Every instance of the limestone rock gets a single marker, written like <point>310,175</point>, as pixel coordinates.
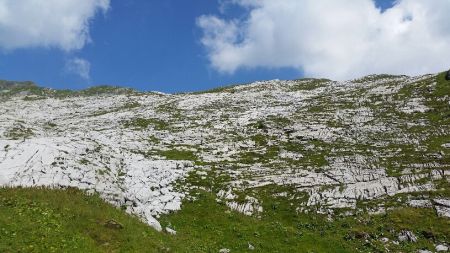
<point>441,248</point>
<point>171,231</point>
<point>407,236</point>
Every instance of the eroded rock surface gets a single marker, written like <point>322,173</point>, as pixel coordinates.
<point>333,144</point>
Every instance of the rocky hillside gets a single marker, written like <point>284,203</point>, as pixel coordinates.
<point>329,148</point>
<point>6,86</point>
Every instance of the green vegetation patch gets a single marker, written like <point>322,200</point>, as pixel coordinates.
<point>308,84</point>
<point>33,98</point>
<point>130,105</point>
<point>18,132</point>
<point>373,78</point>
<point>43,220</point>
<point>142,123</point>
<point>440,112</point>
<point>105,89</point>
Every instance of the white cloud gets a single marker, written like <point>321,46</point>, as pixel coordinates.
<point>328,38</point>
<point>80,67</point>
<point>62,24</point>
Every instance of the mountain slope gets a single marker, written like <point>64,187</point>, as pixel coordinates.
<point>310,147</point>
<point>41,220</point>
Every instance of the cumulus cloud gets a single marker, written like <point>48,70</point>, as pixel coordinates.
<point>62,24</point>
<point>80,67</point>
<point>328,38</point>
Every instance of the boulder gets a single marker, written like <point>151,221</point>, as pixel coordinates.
<point>171,231</point>
<point>407,236</point>
<point>441,248</point>
<point>384,240</point>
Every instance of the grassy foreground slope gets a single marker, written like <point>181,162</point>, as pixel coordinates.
<point>43,220</point>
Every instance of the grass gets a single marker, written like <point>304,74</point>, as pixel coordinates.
<point>259,139</point>
<point>33,98</point>
<point>30,90</point>
<point>18,132</point>
<point>141,123</point>
<point>127,106</point>
<point>227,88</point>
<point>315,157</point>
<point>440,113</point>
<point>44,220</point>
<point>309,84</point>
<point>207,226</point>
<point>373,78</point>
<point>216,90</point>
<point>130,105</point>
<point>105,89</point>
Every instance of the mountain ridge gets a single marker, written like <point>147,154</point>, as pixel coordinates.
<point>104,88</point>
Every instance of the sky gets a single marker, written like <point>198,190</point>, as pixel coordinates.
<point>178,45</point>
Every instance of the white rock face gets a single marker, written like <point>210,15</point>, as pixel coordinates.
<point>93,154</point>
<point>338,143</point>
<point>441,248</point>
<point>442,207</point>
<point>407,236</point>
<point>171,231</point>
<point>420,203</point>
<point>250,206</point>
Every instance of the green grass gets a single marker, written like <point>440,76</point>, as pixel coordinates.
<point>227,88</point>
<point>309,84</point>
<point>216,90</point>
<point>141,123</point>
<point>127,106</point>
<point>31,89</point>
<point>18,132</point>
<point>259,139</point>
<point>43,220</point>
<point>440,109</point>
<point>105,89</point>
<point>372,78</point>
<point>130,105</point>
<point>33,98</point>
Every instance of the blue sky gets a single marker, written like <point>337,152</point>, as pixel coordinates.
<point>147,45</point>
